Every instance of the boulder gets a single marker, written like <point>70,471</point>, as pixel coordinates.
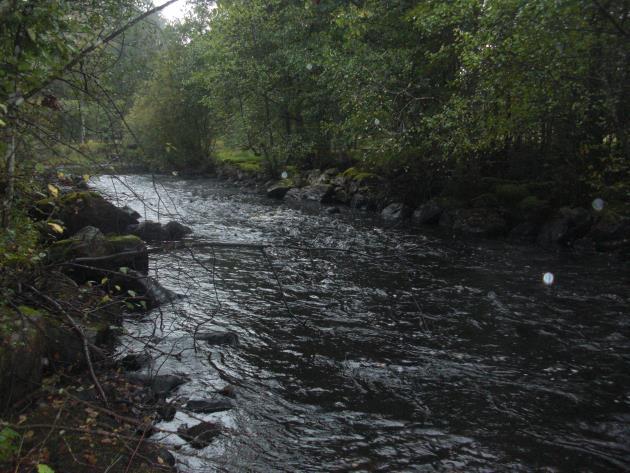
<point>89,247</point>
<point>131,212</point>
<point>278,190</point>
<point>565,227</point>
<point>155,231</point>
<point>208,406</point>
<point>176,231</point>
<point>200,435</point>
<point>396,212</point>
<point>332,210</point>
<point>482,222</point>
<point>218,338</point>
<point>428,213</point>
<point>81,209</point>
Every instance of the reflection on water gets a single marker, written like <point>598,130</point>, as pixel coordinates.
<point>391,350</point>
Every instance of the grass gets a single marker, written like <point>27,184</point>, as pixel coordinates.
<point>243,159</point>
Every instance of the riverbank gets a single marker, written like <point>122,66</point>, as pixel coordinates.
<point>503,209</point>
<point>71,271</point>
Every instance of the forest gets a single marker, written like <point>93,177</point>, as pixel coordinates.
<point>507,119</point>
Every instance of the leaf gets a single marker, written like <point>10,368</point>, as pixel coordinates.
<point>55,227</point>
<point>31,34</point>
<point>53,190</point>
<point>41,468</point>
<point>104,281</point>
<point>123,270</point>
<point>86,177</point>
<point>117,287</point>
<point>2,122</point>
<point>132,293</point>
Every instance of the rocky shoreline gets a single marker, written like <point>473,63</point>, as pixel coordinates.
<point>512,211</point>
<point>58,335</point>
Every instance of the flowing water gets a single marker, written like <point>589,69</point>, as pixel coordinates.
<point>367,348</point>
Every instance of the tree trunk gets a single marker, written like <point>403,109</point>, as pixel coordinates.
<point>10,189</point>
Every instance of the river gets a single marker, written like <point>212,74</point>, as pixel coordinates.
<point>367,348</point>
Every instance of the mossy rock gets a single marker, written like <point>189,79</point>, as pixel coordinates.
<point>81,209</point>
<point>356,174</point>
<point>91,243</point>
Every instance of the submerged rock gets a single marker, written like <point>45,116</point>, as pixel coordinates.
<point>155,231</point>
<point>428,213</point>
<point>396,212</point>
<point>208,406</point>
<point>218,338</point>
<point>200,435</point>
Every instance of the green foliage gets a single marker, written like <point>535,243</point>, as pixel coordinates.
<point>172,126</point>
<point>243,159</point>
<point>9,444</point>
<point>18,245</point>
<point>44,469</point>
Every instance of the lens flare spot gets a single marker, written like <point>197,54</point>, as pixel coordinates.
<point>598,204</point>
<point>309,67</point>
<point>548,279</point>
<point>377,122</point>
<point>284,175</point>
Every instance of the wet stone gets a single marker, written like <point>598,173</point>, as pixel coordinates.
<point>200,435</point>
<point>208,406</point>
<point>218,338</point>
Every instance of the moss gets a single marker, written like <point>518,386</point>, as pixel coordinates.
<point>76,196</point>
<point>122,242</point>
<point>357,175</point>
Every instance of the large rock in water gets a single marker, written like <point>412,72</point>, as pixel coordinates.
<point>201,434</point>
<point>612,235</point>
<point>155,231</point>
<point>565,227</point>
<point>396,212</point>
<point>89,247</point>
<point>278,190</point>
<point>80,209</point>
<point>428,213</point>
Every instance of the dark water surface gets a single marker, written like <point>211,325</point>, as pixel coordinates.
<point>407,351</point>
